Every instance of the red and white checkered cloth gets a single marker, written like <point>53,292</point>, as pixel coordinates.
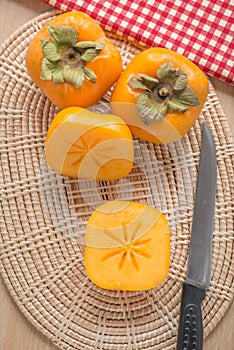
<point>200,30</point>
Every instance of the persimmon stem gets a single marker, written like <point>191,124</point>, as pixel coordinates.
<point>163,92</point>
<point>72,58</point>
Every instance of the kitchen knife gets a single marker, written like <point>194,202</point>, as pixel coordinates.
<point>190,334</point>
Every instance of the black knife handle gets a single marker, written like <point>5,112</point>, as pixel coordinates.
<point>190,335</point>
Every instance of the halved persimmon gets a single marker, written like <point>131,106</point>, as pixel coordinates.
<point>127,246</point>
<point>84,144</point>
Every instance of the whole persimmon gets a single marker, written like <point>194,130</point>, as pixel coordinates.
<point>72,61</point>
<point>160,95</point>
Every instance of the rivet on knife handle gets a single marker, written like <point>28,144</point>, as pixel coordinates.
<point>190,335</point>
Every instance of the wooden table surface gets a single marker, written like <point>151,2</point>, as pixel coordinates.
<point>16,333</point>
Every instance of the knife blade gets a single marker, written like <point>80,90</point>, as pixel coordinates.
<point>190,333</point>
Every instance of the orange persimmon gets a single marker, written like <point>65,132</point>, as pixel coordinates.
<point>71,60</point>
<point>84,144</point>
<point>127,246</point>
<point>160,95</point>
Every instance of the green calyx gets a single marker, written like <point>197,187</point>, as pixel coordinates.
<point>65,57</point>
<point>169,90</point>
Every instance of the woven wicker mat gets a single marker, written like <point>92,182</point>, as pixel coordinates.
<point>43,218</point>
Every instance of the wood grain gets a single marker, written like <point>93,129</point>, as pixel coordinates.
<point>16,333</point>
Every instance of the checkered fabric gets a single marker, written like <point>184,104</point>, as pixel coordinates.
<point>200,30</point>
